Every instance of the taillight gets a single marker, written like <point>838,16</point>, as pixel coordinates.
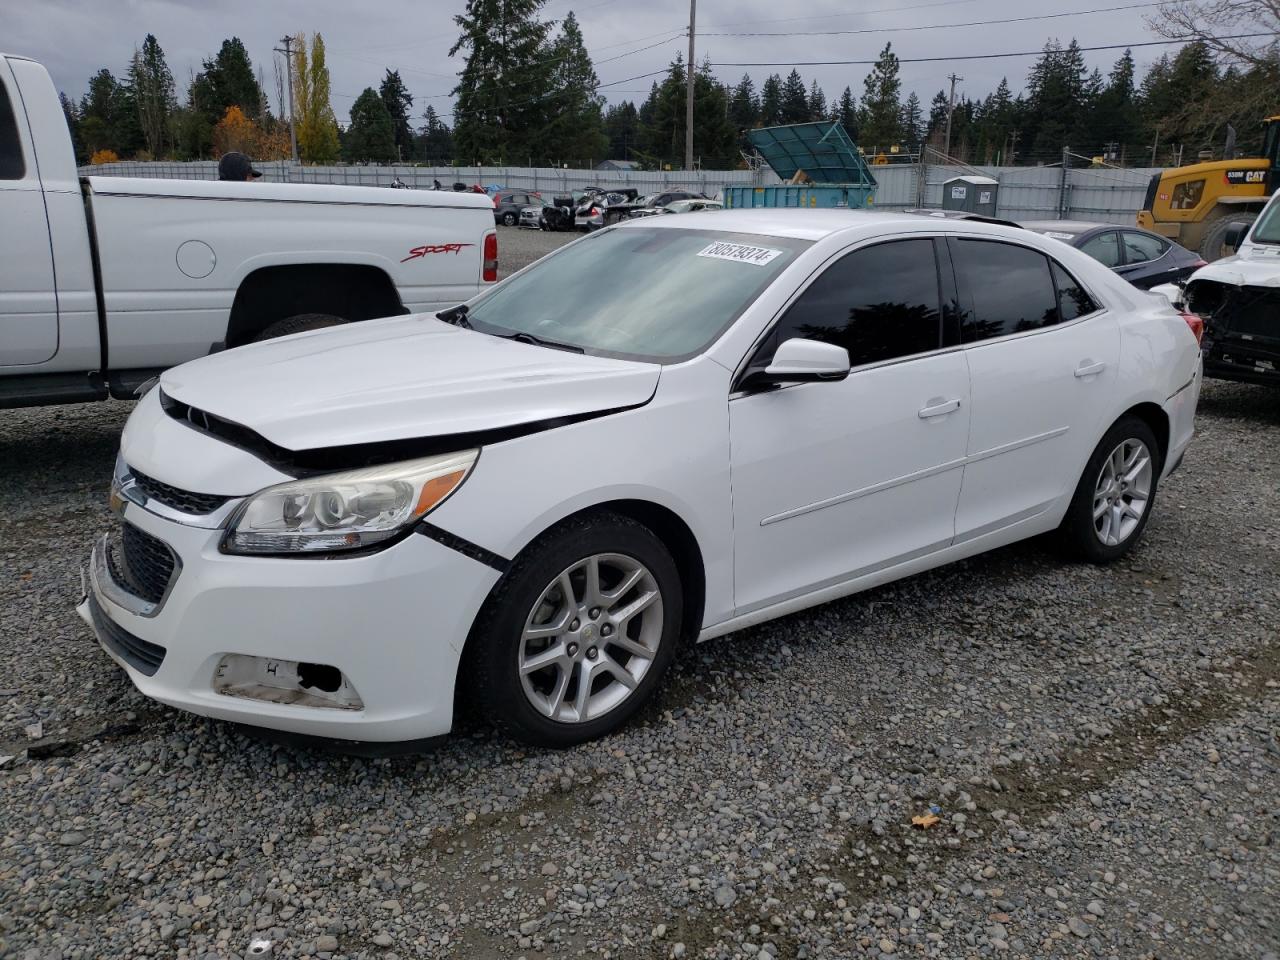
<point>495,200</point>
<point>1196,324</point>
<point>490,274</point>
<point>595,211</point>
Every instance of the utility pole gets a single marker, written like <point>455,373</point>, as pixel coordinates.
<point>688,94</point>
<point>288,52</point>
<point>951,108</point>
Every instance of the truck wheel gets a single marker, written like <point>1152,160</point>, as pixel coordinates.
<point>298,324</point>
<point>1214,246</point>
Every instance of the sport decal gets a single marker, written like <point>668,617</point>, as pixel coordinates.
<point>417,252</point>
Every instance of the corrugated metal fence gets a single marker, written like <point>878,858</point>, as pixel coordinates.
<point>1026,193</point>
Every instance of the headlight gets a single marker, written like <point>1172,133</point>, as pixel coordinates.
<point>345,511</point>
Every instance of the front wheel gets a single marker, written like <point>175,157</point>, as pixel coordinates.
<point>1114,498</point>
<point>578,633</point>
<point>509,219</point>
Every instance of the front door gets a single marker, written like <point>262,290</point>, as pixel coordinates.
<point>28,296</point>
<point>835,480</point>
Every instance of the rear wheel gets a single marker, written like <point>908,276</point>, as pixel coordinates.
<point>1113,500</point>
<point>1214,245</point>
<point>578,633</point>
<point>298,324</point>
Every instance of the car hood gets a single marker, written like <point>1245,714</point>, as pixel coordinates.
<point>401,378</point>
<point>1255,266</point>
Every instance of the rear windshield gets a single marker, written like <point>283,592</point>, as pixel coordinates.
<point>1268,228</point>
<point>640,293</point>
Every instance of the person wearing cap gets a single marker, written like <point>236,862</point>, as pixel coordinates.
<point>234,165</point>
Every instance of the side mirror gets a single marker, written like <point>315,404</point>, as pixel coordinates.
<point>802,361</point>
<point>1235,235</point>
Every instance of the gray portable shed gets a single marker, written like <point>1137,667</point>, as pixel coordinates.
<point>972,194</point>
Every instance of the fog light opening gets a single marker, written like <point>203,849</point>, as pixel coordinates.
<point>269,680</point>
<point>321,676</point>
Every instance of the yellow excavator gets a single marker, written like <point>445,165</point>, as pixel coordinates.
<point>1197,205</point>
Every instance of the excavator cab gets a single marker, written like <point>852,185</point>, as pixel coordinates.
<point>1200,204</point>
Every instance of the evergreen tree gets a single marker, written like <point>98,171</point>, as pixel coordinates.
<point>108,115</point>
<point>795,102</point>
<point>574,128</point>
<point>372,133</point>
<point>228,81</point>
<point>744,106</point>
<point>912,121</point>
<point>771,101</point>
<point>846,111</point>
<point>882,126</point>
<point>1116,113</point>
<point>399,103</point>
<point>817,102</point>
<point>151,82</point>
<point>663,118</point>
<point>316,125</point>
<point>1055,101</point>
<point>622,127</point>
<point>435,141</point>
<point>71,114</point>
<point>504,82</point>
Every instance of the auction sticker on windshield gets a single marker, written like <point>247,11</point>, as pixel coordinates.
<point>739,252</point>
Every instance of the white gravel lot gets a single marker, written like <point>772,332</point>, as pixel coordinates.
<point>1103,745</point>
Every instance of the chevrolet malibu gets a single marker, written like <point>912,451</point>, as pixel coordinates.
<point>529,502</point>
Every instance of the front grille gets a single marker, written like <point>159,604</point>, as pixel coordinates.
<point>143,656</point>
<point>183,501</point>
<point>141,563</point>
<point>1232,311</point>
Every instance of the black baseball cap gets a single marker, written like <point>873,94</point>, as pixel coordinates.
<point>236,166</point>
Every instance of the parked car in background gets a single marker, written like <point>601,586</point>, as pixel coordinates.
<point>1143,258</point>
<point>507,205</point>
<point>531,216</point>
<point>678,206</point>
<point>732,376</point>
<point>1239,299</point>
<point>106,281</point>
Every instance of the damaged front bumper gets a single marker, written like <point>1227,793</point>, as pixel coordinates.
<point>1242,330</point>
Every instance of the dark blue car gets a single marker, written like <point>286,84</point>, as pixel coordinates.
<point>1143,258</point>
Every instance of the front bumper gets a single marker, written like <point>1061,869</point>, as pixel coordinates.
<point>1243,360</point>
<point>394,622</point>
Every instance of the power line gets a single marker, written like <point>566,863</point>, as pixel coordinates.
<point>556,93</point>
<point>856,13</point>
<point>942,26</point>
<point>982,56</point>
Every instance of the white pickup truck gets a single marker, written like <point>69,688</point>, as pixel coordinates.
<point>106,281</point>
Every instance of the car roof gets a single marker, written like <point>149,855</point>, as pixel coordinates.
<point>811,224</point>
<point>1073,227</point>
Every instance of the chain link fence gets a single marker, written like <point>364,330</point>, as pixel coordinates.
<point>1108,195</point>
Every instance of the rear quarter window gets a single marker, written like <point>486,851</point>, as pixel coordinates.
<point>12,165</point>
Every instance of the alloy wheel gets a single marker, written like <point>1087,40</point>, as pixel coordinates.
<point>1122,493</point>
<point>590,638</point>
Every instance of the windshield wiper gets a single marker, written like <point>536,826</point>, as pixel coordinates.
<point>523,337</point>
<point>456,315</point>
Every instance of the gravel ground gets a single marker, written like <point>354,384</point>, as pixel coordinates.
<point>1103,746</point>
<point>519,246</point>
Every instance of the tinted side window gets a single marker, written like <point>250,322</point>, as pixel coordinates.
<point>1141,247</point>
<point>1010,289</point>
<point>11,163</point>
<point>878,303</point>
<point>1072,300</point>
<point>1105,248</point>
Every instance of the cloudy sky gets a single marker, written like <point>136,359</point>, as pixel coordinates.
<point>74,38</point>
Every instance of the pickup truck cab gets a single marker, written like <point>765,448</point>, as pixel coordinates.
<point>106,281</point>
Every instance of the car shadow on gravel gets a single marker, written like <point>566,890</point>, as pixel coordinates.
<point>1241,401</point>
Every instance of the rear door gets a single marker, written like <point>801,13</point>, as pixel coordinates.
<point>28,294</point>
<point>1146,259</point>
<point>1043,358</point>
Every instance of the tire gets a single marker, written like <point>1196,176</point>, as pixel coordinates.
<point>536,705</point>
<point>298,324</point>
<point>1213,244</point>
<point>508,219</point>
<point>1113,534</point>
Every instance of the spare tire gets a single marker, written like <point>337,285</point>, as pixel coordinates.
<point>299,323</point>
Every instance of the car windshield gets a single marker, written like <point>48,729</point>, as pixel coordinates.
<point>676,292</point>
<point>1268,228</point>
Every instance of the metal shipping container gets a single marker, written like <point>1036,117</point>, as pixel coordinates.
<point>838,175</point>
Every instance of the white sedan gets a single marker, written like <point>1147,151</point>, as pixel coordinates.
<point>532,501</point>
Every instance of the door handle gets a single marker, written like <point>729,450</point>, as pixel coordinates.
<point>937,407</point>
<point>1088,368</point>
